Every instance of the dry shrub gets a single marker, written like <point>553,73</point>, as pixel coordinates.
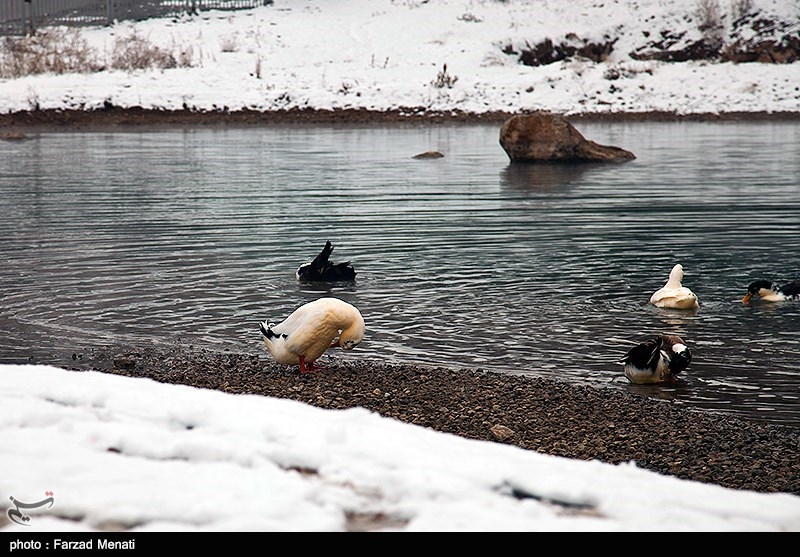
<point>50,50</point>
<point>444,79</point>
<point>135,52</point>
<point>229,43</point>
<point>711,23</point>
<point>740,8</point>
<point>63,50</point>
<point>185,56</point>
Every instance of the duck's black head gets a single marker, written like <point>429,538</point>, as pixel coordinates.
<point>757,285</point>
<point>680,361</point>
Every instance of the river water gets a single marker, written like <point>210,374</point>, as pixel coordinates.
<point>194,235</point>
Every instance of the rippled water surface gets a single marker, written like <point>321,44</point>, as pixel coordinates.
<point>463,261</point>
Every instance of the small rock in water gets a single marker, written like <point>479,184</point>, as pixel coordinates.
<point>429,155</point>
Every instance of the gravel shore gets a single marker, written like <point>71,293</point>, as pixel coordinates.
<point>544,415</point>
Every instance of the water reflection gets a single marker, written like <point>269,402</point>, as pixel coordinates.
<point>543,177</point>
<point>674,392</point>
<point>677,320</point>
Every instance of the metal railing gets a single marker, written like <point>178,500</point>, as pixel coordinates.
<point>22,17</point>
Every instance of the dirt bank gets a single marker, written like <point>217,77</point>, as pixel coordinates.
<point>138,118</point>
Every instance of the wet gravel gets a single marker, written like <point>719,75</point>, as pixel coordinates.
<point>539,414</point>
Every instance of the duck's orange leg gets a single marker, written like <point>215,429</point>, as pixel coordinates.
<point>303,367</point>
<point>307,367</point>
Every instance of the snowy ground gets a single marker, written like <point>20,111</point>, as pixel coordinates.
<point>89,451</point>
<point>389,54</point>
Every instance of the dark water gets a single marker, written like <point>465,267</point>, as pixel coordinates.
<point>464,261</point>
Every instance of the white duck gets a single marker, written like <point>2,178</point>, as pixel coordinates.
<point>656,360</point>
<point>674,294</point>
<point>312,329</point>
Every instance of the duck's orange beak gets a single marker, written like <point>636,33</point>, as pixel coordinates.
<point>746,298</point>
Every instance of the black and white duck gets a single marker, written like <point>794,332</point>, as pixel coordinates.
<point>659,359</point>
<point>768,291</point>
